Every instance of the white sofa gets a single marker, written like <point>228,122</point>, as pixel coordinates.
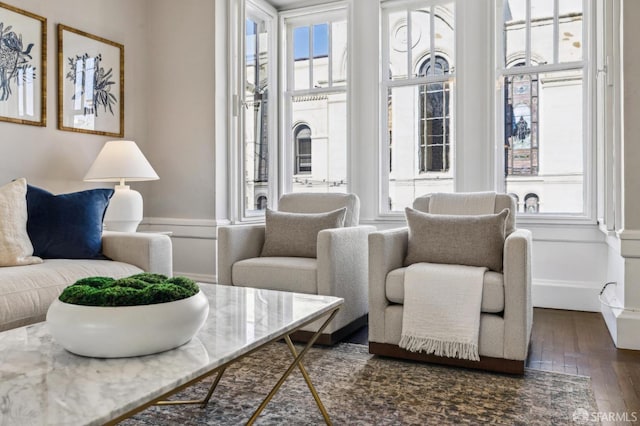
<point>27,291</point>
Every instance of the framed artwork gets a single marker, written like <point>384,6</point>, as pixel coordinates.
<point>23,66</point>
<point>90,83</point>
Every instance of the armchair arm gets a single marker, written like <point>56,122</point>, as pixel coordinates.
<point>342,270</point>
<point>518,309</point>
<point>236,243</point>
<point>149,252</point>
<point>387,250</point>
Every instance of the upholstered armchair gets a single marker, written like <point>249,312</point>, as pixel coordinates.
<point>506,309</point>
<point>338,266</point>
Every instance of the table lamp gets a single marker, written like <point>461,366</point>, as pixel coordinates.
<point>119,161</point>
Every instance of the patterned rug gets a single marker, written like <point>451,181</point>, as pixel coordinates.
<point>361,389</point>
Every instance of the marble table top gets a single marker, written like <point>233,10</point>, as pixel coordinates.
<point>43,384</point>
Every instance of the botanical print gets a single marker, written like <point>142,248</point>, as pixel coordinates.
<point>92,82</point>
<point>23,53</point>
<point>15,61</point>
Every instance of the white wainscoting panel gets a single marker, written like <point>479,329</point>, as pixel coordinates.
<point>194,245</point>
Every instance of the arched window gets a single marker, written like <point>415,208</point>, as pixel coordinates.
<point>302,146</point>
<point>521,124</point>
<point>531,203</point>
<point>515,197</point>
<point>261,202</point>
<point>435,134</point>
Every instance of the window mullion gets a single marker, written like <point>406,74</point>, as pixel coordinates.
<point>330,53</point>
<point>432,38</point>
<point>556,38</point>
<point>527,48</point>
<point>409,53</point>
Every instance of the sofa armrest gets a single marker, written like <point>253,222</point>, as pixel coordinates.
<point>236,243</point>
<point>387,250</point>
<point>518,308</point>
<point>149,252</point>
<point>342,269</point>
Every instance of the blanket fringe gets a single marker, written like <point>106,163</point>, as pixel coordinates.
<point>461,350</point>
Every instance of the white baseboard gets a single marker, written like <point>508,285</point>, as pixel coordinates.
<point>623,324</point>
<point>569,295</point>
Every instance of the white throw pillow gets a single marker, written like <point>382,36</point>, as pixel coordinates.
<point>15,246</point>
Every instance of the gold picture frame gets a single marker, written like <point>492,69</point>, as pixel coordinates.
<point>23,66</point>
<point>90,83</point>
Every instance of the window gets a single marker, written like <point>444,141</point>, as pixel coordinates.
<point>434,118</point>
<point>521,125</point>
<point>302,142</point>
<point>256,110</point>
<point>544,68</point>
<point>418,49</point>
<point>315,96</point>
<point>531,203</point>
<point>261,202</point>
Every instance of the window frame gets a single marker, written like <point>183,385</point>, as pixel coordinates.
<point>243,10</point>
<point>307,16</point>
<point>384,210</point>
<point>588,114</point>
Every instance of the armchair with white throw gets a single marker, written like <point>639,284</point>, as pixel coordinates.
<point>312,244</point>
<point>460,267</point>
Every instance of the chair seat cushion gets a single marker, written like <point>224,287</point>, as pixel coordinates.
<point>297,274</point>
<point>492,290</point>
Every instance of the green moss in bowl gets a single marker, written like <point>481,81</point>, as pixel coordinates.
<point>139,289</point>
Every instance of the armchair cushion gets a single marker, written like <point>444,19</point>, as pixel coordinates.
<point>473,240</point>
<point>296,234</point>
<point>297,274</point>
<point>492,290</point>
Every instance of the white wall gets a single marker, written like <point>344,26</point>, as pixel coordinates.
<point>57,160</point>
<point>181,131</point>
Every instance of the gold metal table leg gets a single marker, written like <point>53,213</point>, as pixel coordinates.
<point>202,402</point>
<point>307,379</point>
<point>296,362</point>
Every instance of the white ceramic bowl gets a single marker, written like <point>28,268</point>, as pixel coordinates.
<point>125,331</point>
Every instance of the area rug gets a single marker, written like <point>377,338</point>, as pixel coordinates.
<point>361,389</point>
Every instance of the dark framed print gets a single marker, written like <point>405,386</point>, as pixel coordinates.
<point>90,83</point>
<point>23,66</point>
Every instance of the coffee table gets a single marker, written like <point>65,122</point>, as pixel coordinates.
<point>41,383</point>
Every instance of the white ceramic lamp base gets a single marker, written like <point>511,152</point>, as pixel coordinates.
<point>124,212</point>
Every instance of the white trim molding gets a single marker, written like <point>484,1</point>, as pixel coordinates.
<point>629,243</point>
<point>183,228</point>
<point>201,278</point>
<point>623,323</point>
<point>570,295</point>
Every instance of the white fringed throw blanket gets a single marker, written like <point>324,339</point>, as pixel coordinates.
<point>441,313</point>
<point>442,310</point>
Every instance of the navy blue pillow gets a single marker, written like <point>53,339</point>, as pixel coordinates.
<point>66,226</point>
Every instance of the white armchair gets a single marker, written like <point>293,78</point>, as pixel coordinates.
<point>506,309</point>
<point>339,269</point>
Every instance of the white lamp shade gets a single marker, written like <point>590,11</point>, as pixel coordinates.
<point>118,161</point>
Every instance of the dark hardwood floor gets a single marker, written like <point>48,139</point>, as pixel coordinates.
<point>579,343</point>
